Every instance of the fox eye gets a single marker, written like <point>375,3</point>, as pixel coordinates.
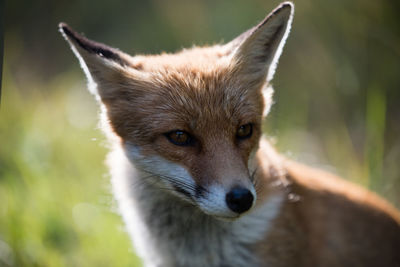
<point>245,131</point>
<point>179,138</point>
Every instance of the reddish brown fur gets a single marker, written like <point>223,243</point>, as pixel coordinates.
<point>209,92</point>
<point>333,219</point>
<point>198,97</point>
<point>331,222</point>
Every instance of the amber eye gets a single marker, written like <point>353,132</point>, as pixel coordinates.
<point>244,131</point>
<point>179,138</point>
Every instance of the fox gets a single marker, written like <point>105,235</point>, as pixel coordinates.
<point>196,181</point>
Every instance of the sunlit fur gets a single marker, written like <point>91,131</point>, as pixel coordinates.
<point>173,197</point>
<point>168,232</point>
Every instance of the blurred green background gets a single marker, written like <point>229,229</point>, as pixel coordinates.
<point>336,92</point>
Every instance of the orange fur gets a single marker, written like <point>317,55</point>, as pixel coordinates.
<point>327,221</point>
<point>209,93</point>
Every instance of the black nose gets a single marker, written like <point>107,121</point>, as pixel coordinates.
<point>239,199</point>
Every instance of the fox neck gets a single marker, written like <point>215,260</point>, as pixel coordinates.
<point>169,231</point>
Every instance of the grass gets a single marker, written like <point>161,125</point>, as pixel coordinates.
<point>56,207</point>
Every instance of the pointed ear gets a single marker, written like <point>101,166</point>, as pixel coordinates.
<point>104,66</point>
<point>257,51</point>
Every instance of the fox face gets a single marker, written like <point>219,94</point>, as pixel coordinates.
<point>190,122</point>
<point>207,141</point>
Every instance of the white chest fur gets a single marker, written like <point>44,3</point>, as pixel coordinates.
<point>166,231</point>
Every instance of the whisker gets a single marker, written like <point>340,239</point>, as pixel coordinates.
<point>252,176</point>
<point>256,181</point>
<point>174,182</point>
<point>178,182</point>
<point>142,180</point>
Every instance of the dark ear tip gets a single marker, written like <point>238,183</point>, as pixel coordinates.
<point>286,4</point>
<point>90,46</point>
<point>285,8</point>
<point>62,25</point>
<point>65,29</point>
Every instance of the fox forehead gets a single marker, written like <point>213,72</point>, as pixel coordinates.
<point>196,58</point>
<point>185,97</point>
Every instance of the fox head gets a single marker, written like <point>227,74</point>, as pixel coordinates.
<point>191,120</point>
